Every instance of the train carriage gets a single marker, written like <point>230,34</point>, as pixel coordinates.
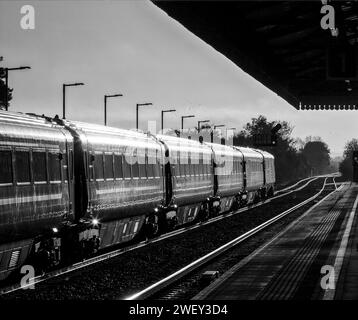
<point>254,173</point>
<point>269,169</point>
<point>125,179</point>
<point>192,176</point>
<point>229,175</point>
<point>35,192</point>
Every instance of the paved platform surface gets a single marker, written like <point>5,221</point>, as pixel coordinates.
<point>315,257</point>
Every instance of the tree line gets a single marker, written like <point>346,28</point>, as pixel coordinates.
<point>346,165</point>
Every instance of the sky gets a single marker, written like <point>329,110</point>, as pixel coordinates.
<point>136,49</point>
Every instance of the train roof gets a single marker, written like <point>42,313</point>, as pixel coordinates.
<point>32,130</point>
<point>221,149</point>
<point>104,135</point>
<point>266,154</point>
<point>249,153</point>
<point>183,144</point>
<point>25,119</point>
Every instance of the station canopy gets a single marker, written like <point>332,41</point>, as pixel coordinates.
<point>283,45</point>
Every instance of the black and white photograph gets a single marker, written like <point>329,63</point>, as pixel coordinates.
<point>178,157</point>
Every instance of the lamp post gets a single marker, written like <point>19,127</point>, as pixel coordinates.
<point>182,120</point>
<point>64,95</point>
<point>212,131</point>
<point>137,107</point>
<point>7,82</point>
<point>199,122</point>
<point>105,104</point>
<point>232,129</point>
<point>233,134</point>
<point>163,111</point>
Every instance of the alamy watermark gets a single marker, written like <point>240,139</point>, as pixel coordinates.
<point>28,280</point>
<point>328,281</point>
<point>27,21</point>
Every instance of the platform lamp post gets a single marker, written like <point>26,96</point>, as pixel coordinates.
<point>137,107</point>
<point>212,131</point>
<point>182,120</point>
<point>7,82</point>
<point>105,104</point>
<point>64,95</point>
<point>202,121</point>
<point>233,130</point>
<point>163,111</point>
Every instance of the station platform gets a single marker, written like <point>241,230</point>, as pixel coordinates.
<point>314,258</point>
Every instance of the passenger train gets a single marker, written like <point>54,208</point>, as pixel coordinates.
<point>69,189</point>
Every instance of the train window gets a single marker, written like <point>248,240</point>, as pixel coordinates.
<point>157,169</point>
<point>135,170</point>
<point>142,170</point>
<point>150,167</point>
<point>118,170</point>
<point>194,166</point>
<point>177,167</point>
<point>182,169</point>
<point>198,167</point>
<point>234,166</point>
<point>238,167</point>
<point>141,163</point>
<point>187,169</point>
<point>208,169</point>
<point>108,166</point>
<point>201,165</point>
<point>5,167</point>
<point>98,166</point>
<point>188,166</point>
<point>177,170</point>
<point>191,169</point>
<point>135,165</point>
<point>39,166</point>
<point>54,167</point>
<point>205,169</point>
<point>126,168</point>
<point>22,166</point>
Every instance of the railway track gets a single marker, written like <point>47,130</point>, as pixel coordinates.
<point>162,289</point>
<point>106,256</point>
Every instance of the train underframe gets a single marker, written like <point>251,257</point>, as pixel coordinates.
<point>165,219</point>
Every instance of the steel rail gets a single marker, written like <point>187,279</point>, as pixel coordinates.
<point>158,286</point>
<point>333,175</point>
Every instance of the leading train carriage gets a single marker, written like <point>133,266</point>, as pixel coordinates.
<point>229,177</point>
<point>124,178</point>
<point>34,187</point>
<point>191,174</point>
